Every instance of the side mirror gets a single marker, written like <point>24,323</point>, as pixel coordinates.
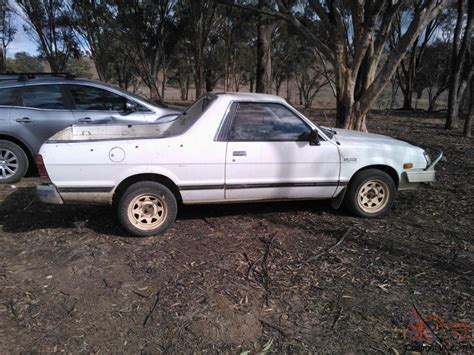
<point>130,107</point>
<point>314,138</point>
<point>311,137</point>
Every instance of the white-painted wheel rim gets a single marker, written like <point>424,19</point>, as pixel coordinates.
<point>373,196</point>
<point>8,164</point>
<point>147,211</point>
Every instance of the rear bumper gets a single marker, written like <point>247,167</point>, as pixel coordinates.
<point>48,193</point>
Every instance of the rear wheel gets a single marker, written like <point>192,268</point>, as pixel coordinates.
<point>147,208</point>
<point>370,193</point>
<point>13,162</point>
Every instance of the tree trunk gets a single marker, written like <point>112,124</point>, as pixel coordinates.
<point>349,116</point>
<point>163,84</point>
<point>468,122</point>
<point>461,62</point>
<point>3,60</point>
<point>265,30</point>
<point>453,102</point>
<point>199,73</point>
<point>348,112</point>
<point>408,95</point>
<point>288,88</point>
<point>199,80</point>
<point>154,92</point>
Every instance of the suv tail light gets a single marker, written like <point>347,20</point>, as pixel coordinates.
<point>43,173</point>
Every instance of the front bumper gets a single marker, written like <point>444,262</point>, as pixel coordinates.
<point>427,174</point>
<point>48,193</point>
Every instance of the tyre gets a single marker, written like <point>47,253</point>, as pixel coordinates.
<point>13,162</point>
<point>370,193</point>
<point>147,208</point>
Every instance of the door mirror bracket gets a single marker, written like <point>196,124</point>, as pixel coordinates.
<point>311,137</point>
<point>130,107</point>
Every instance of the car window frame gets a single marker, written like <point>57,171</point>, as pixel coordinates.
<point>21,104</point>
<point>229,122</point>
<point>73,104</point>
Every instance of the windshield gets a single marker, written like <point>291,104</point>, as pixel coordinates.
<point>190,116</point>
<point>328,132</point>
<point>141,98</point>
<point>135,96</point>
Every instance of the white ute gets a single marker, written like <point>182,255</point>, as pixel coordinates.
<point>226,148</point>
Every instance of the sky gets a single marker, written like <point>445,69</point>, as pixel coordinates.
<point>22,41</point>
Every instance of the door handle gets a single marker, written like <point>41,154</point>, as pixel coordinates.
<point>24,120</point>
<point>239,153</point>
<point>85,120</point>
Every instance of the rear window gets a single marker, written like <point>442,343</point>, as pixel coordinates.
<point>8,96</point>
<point>191,115</point>
<point>43,96</point>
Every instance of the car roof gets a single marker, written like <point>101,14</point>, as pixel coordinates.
<point>46,80</point>
<point>250,96</point>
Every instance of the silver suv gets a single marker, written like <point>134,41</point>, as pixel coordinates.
<point>34,107</point>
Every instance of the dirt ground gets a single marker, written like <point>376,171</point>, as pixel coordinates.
<point>275,277</point>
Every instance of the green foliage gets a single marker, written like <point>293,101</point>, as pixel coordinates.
<point>24,63</point>
<point>80,67</point>
<point>49,23</point>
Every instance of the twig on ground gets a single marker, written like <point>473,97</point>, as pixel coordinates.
<point>152,309</point>
<point>264,323</point>
<point>336,318</point>
<point>325,252</point>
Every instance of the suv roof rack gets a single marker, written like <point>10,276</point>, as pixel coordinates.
<point>29,76</point>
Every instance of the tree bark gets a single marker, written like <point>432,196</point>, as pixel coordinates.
<point>461,62</point>
<point>163,84</point>
<point>468,123</point>
<point>265,29</point>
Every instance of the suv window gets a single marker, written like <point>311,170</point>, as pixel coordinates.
<point>90,98</point>
<point>266,122</point>
<point>43,96</point>
<point>8,96</point>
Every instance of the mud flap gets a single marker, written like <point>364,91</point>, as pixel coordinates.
<point>336,202</point>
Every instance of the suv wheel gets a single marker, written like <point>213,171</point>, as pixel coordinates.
<point>13,162</point>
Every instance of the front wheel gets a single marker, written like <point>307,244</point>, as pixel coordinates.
<point>147,208</point>
<point>370,193</point>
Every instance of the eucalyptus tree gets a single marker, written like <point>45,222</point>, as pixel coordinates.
<point>49,23</point>
<point>8,32</point>
<point>411,65</point>
<point>433,74</point>
<point>198,21</point>
<point>92,19</point>
<point>148,37</point>
<point>358,32</point>
<point>461,60</point>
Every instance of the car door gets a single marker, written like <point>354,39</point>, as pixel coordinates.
<point>270,157</point>
<point>41,112</point>
<point>96,105</point>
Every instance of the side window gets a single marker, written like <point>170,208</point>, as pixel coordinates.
<point>43,96</point>
<point>90,98</point>
<point>8,96</point>
<point>266,122</point>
